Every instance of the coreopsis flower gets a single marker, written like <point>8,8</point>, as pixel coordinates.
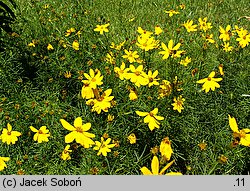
<point>132,138</point>
<point>101,103</point>
<point>209,38</point>
<point>41,135</point>
<point>144,33</point>
<point>146,43</point>
<point>110,118</point>
<point>50,47</point>
<point>87,92</point>
<point>110,58</point>
<point>69,31</point>
<point>242,136</point>
<point>165,149</point>
<point>210,82</point>
<point>172,12</point>
<point>66,153</point>
<point>138,76</point>
<point>204,25</point>
<point>67,74</point>
<point>33,43</point>
<point>227,47</point>
<point>221,69</point>
<point>152,78</point>
<point>243,39</point>
<point>78,132</point>
<point>2,162</point>
<point>117,47</point>
<point>225,33</point>
<point>75,45</point>
<point>122,72</point>
<point>158,30</point>
<point>165,89</point>
<point>189,26</point>
<point>151,118</point>
<point>130,56</point>
<point>202,145</point>
<point>155,168</point>
<point>133,95</point>
<point>102,28</point>
<point>178,103</point>
<point>93,79</point>
<point>103,147</point>
<point>9,136</point>
<point>171,50</point>
<point>185,62</point>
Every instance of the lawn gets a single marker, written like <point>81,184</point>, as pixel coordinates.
<point>121,84</point>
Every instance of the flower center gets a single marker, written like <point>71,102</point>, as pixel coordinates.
<point>93,80</point>
<point>79,130</point>
<point>209,79</point>
<point>137,73</point>
<point>40,132</point>
<point>151,79</point>
<point>9,133</point>
<point>151,114</point>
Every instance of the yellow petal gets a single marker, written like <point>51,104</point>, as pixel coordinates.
<point>9,127</point>
<point>78,122</point>
<point>70,137</point>
<point>155,166</point>
<point>33,129</point>
<point>145,171</point>
<point>166,167</point>
<point>66,125</point>
<point>140,113</point>
<point>233,124</point>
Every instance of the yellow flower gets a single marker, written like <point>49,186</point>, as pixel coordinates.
<point>210,82</point>
<point>151,118</point>
<point>87,92</point>
<point>122,72</point>
<point>221,69</point>
<point>101,103</point>
<point>130,56</point>
<point>69,31</point>
<point>144,34</point>
<point>189,26</point>
<point>93,79</point>
<point>165,89</point>
<point>209,38</point>
<point>2,162</point>
<point>138,76</point>
<point>33,43</point>
<point>241,136</point>
<point>158,30</point>
<point>244,38</point>
<point>117,47</point>
<point>133,95</point>
<point>41,135</point>
<point>178,103</point>
<point>132,138</point>
<point>155,168</point>
<point>225,33</point>
<point>67,74</point>
<point>204,25</point>
<point>65,154</point>
<point>110,58</point>
<point>110,118</point>
<point>103,147</point>
<point>50,47</point>
<point>185,62</point>
<point>172,12</point>
<point>202,145</point>
<point>78,132</point>
<point>9,136</point>
<point>102,28</point>
<point>75,45</point>
<point>165,148</point>
<point>171,50</point>
<point>227,47</point>
<point>152,78</point>
<point>146,43</point>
